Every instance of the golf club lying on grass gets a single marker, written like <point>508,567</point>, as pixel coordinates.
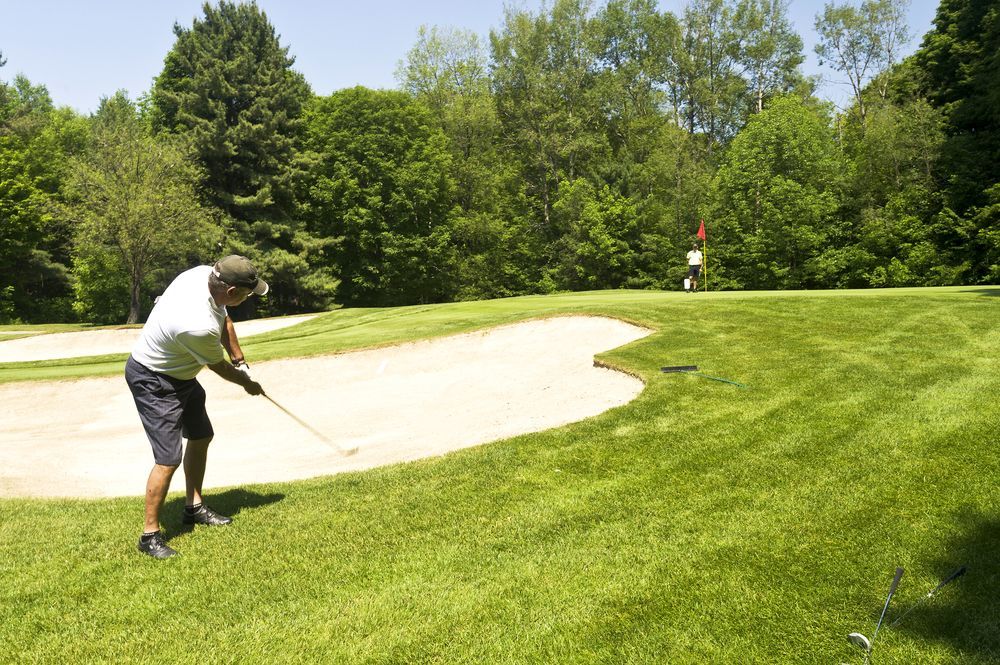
<point>690,369</point>
<point>861,640</point>
<point>866,644</point>
<point>946,581</point>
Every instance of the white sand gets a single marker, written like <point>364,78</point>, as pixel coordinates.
<point>83,438</point>
<point>101,342</point>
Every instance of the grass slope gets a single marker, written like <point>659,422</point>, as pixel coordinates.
<point>699,523</point>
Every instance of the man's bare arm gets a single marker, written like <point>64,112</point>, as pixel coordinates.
<point>231,343</point>
<point>233,375</point>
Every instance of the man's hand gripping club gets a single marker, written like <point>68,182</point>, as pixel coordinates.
<point>239,374</point>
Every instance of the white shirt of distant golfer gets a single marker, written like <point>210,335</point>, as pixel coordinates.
<point>694,257</point>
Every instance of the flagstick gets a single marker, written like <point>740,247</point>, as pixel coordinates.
<point>704,252</point>
<point>704,260</point>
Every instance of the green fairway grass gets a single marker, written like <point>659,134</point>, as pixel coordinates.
<point>700,523</point>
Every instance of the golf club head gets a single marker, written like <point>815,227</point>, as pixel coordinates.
<point>860,640</point>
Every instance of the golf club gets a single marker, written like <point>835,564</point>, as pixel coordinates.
<point>690,369</point>
<point>319,435</point>
<point>343,450</point>
<point>946,581</point>
<point>861,640</point>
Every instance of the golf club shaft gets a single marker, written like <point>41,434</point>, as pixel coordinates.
<point>948,580</point>
<point>319,435</point>
<point>716,378</point>
<point>892,590</point>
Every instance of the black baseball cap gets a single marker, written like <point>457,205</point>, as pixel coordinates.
<point>237,270</point>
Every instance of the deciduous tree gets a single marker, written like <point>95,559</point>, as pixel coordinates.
<point>862,42</point>
<point>133,200</point>
<point>35,142</point>
<point>779,189</point>
<point>766,49</point>
<point>383,192</point>
<point>544,78</point>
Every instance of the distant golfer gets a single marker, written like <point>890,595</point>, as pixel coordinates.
<point>694,266</point>
<point>187,329</point>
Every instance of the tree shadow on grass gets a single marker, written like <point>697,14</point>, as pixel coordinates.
<point>987,291</point>
<point>965,614</point>
<point>231,503</point>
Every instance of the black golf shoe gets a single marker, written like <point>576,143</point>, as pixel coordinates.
<point>156,547</point>
<point>207,516</point>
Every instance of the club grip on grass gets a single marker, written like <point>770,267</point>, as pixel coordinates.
<point>955,575</point>
<point>895,583</point>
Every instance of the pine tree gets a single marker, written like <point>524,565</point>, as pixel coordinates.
<point>960,60</point>
<point>229,85</point>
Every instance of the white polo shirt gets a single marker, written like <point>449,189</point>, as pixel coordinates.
<point>694,257</point>
<point>184,330</point>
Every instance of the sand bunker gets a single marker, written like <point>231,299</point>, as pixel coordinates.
<point>83,438</point>
<point>101,342</point>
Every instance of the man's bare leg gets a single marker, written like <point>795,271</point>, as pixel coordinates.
<point>195,457</point>
<point>156,492</point>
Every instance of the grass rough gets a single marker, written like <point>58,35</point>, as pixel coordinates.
<point>699,523</point>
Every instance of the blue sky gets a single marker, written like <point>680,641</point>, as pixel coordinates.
<point>83,50</point>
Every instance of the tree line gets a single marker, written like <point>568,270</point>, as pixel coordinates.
<point>577,148</point>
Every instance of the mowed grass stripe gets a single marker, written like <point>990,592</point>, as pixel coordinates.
<point>699,523</point>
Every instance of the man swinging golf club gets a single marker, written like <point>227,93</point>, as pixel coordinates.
<point>188,329</point>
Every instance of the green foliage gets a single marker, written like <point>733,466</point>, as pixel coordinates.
<point>102,287</point>
<point>496,255</point>
<point>599,249</point>
<point>960,68</point>
<point>767,49</point>
<point>578,148</point>
<point>862,42</point>
<point>711,87</point>
<point>447,71</point>
<point>382,190</point>
<point>134,197</point>
<point>294,262</point>
<point>778,190</point>
<point>547,100</point>
<point>893,193</point>
<point>632,44</point>
<point>674,192</point>
<point>987,220</point>
<point>229,87</point>
<point>24,107</point>
<point>22,219</point>
<point>35,141</point>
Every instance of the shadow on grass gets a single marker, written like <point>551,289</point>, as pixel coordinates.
<point>231,503</point>
<point>965,614</point>
<point>987,291</point>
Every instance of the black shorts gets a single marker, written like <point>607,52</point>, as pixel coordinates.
<point>694,271</point>
<point>169,409</point>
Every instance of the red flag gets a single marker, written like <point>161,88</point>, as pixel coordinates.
<point>701,230</point>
